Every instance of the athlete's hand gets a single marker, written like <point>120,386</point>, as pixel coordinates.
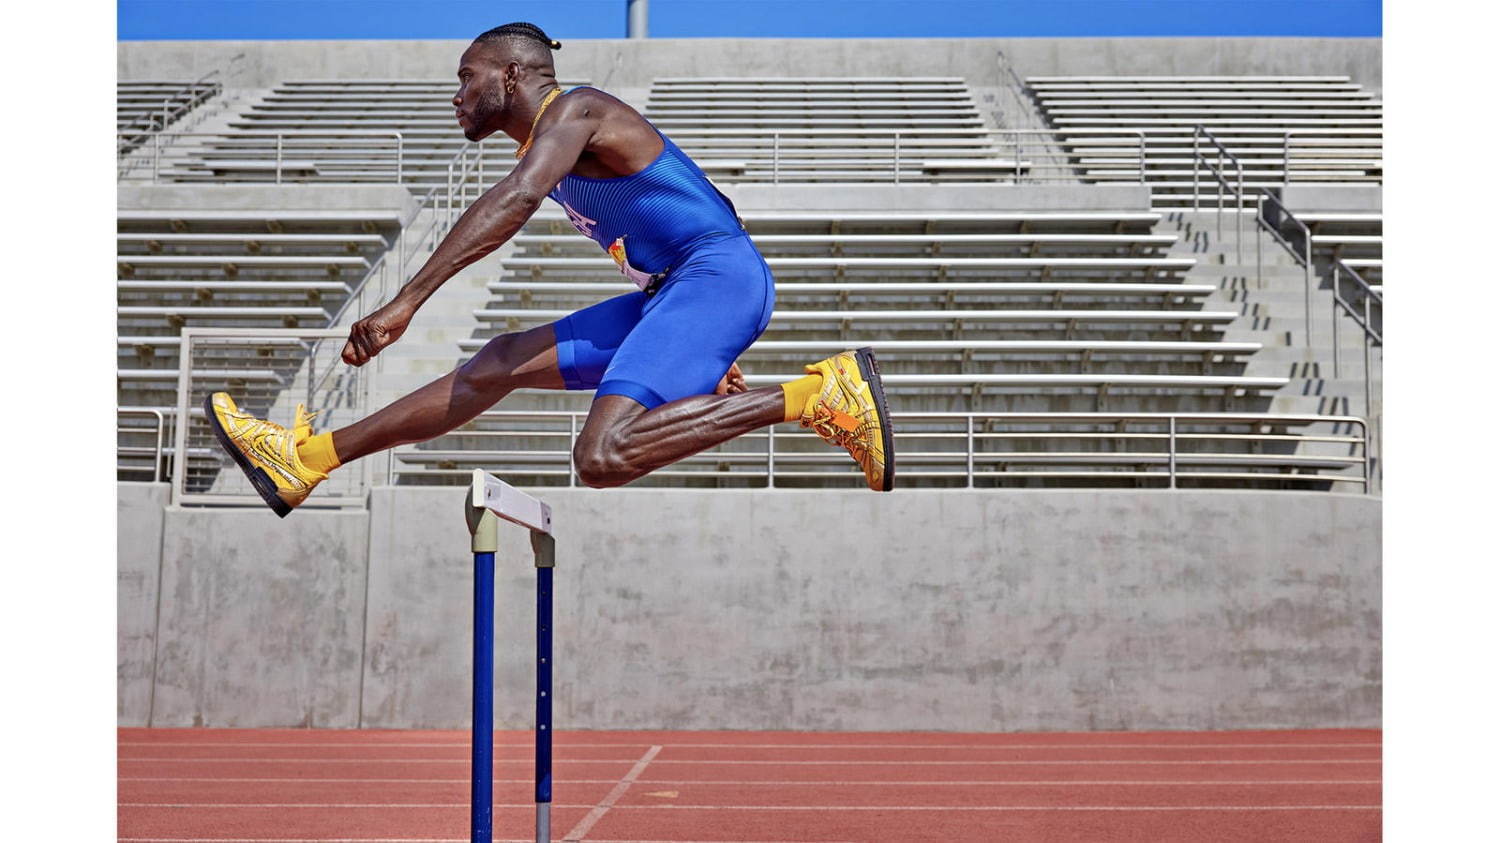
<point>733,381</point>
<point>376,331</point>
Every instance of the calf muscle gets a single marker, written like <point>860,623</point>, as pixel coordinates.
<point>507,362</point>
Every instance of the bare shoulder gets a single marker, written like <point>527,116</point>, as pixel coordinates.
<point>621,140</point>
<point>599,105</point>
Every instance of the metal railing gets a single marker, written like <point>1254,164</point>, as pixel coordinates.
<point>1271,224</point>
<point>174,105</point>
<point>464,176</point>
<point>1362,316</point>
<point>375,287</point>
<point>1038,156</point>
<point>1303,257</point>
<point>264,156</point>
<point>1168,431</point>
<point>158,467</point>
<point>208,359</point>
<point>1017,89</point>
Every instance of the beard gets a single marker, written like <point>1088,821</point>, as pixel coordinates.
<point>486,113</point>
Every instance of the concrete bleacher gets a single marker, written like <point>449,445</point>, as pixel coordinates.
<point>983,311</point>
<point>232,268</point>
<point>1345,242</point>
<point>1336,126</point>
<point>1002,334</point>
<point>830,129</point>
<point>145,106</point>
<point>339,131</point>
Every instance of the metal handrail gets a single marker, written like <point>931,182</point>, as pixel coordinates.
<point>158,469</point>
<point>1016,89</point>
<point>279,140</point>
<point>1367,326</point>
<point>782,141</point>
<point>1304,259</point>
<point>1199,131</point>
<point>1173,437</point>
<point>437,227</point>
<point>198,92</point>
<point>185,411</point>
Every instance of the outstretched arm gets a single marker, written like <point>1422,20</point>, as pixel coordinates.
<point>494,218</point>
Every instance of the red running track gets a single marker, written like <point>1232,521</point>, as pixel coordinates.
<point>409,786</point>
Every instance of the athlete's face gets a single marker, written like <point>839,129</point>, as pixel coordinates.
<point>479,104</point>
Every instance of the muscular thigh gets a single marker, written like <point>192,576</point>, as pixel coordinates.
<point>586,341</point>
<point>524,359</point>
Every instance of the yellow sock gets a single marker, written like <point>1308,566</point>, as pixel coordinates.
<point>316,452</point>
<point>798,392</point>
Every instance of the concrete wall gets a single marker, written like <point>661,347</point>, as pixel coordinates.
<point>138,569</point>
<point>633,64</point>
<point>988,610</point>
<point>261,621</point>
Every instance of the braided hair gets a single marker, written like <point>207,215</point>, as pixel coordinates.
<point>521,29</point>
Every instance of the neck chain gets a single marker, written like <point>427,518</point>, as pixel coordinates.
<point>546,101</point>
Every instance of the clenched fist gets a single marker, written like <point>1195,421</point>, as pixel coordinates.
<point>376,331</point>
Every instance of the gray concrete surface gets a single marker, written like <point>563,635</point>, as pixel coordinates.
<point>266,197</point>
<point>633,64</point>
<point>948,197</point>
<point>1332,197</point>
<point>988,610</point>
<point>138,566</point>
<point>261,620</point>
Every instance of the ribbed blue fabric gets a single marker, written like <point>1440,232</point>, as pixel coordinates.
<point>661,211</point>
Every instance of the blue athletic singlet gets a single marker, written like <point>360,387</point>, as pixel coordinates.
<point>679,338</point>
<point>661,211</point>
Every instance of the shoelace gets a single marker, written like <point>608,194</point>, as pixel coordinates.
<point>257,429</point>
<point>822,423</point>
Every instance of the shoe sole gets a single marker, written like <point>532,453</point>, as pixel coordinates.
<point>258,477</point>
<point>869,369</point>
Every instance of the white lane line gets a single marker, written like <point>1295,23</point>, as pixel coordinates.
<point>279,805</point>
<point>883,763</point>
<point>569,744</point>
<point>154,760</point>
<point>599,810</point>
<point>1009,783</point>
<point>608,802</point>
<point>788,782</point>
<point>311,840</point>
<point>772,808</point>
<point>1034,762</point>
<point>340,780</point>
<point>420,840</point>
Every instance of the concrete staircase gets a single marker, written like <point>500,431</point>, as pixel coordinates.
<point>1270,297</point>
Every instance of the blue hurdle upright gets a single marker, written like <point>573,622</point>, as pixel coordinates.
<point>489,500</point>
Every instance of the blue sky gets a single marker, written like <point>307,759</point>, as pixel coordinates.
<point>563,19</point>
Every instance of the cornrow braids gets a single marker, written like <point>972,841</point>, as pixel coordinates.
<point>521,29</point>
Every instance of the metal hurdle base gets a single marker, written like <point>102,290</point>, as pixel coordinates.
<point>491,499</point>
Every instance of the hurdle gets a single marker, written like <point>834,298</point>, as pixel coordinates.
<point>491,499</point>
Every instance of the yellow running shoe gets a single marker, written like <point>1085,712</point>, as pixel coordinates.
<point>851,412</point>
<point>266,452</point>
